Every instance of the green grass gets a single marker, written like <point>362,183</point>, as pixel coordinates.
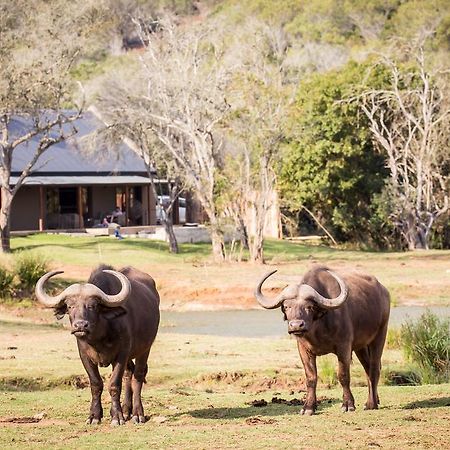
<point>87,250</point>
<point>199,395</point>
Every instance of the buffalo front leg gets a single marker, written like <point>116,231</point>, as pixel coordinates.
<point>348,402</point>
<point>309,364</point>
<point>138,379</point>
<point>115,387</point>
<point>96,383</point>
<point>127,405</point>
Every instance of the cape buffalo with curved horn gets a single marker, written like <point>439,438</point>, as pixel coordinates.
<point>115,318</point>
<point>340,314</point>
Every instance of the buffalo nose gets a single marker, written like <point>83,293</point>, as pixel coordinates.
<point>296,325</point>
<point>81,324</point>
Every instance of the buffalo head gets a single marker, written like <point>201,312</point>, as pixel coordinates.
<point>301,303</point>
<point>84,303</point>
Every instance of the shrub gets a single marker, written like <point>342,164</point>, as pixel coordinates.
<point>29,268</point>
<point>402,378</point>
<point>394,338</point>
<point>6,283</point>
<point>327,371</point>
<point>426,342</point>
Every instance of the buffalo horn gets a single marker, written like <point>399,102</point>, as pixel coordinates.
<point>306,291</point>
<point>42,296</point>
<point>84,290</point>
<point>120,298</point>
<point>288,292</point>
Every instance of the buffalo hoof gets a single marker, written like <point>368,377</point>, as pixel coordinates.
<point>117,422</point>
<point>307,412</point>
<point>345,408</point>
<point>138,419</point>
<point>93,421</point>
<point>367,407</point>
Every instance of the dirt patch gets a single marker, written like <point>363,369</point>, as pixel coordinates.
<point>188,299</point>
<point>20,420</point>
<point>250,381</point>
<point>259,421</point>
<point>277,400</point>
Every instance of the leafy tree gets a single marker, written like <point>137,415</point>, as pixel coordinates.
<point>330,165</point>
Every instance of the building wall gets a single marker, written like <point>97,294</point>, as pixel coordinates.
<point>25,209</point>
<point>103,200</point>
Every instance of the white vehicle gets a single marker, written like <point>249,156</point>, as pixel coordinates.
<point>164,199</point>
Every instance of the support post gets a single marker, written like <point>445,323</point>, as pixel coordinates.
<point>127,204</point>
<point>41,208</point>
<point>80,206</point>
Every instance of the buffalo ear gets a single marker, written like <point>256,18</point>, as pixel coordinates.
<point>60,311</point>
<point>284,313</point>
<point>113,313</point>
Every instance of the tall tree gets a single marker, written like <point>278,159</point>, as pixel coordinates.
<point>410,122</point>
<point>259,99</point>
<point>39,44</point>
<point>184,102</point>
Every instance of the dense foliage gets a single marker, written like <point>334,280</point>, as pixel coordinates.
<point>330,164</point>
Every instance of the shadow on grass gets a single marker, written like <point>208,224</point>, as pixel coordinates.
<point>441,402</point>
<point>7,325</point>
<point>18,384</point>
<point>244,412</point>
<point>23,384</point>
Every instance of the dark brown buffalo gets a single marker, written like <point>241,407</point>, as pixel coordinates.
<point>115,318</point>
<point>340,314</point>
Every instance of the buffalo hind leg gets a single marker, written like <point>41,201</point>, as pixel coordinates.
<point>140,371</point>
<point>309,364</point>
<point>344,359</point>
<point>375,350</point>
<point>364,357</point>
<point>127,405</point>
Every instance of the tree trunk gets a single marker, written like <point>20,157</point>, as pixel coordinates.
<point>414,235</point>
<point>5,219</point>
<point>217,241</point>
<point>168,226</point>
<point>257,242</point>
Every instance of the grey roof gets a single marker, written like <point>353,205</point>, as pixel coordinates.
<point>66,157</point>
<point>77,180</point>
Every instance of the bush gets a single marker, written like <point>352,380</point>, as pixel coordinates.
<point>29,268</point>
<point>426,342</point>
<point>402,378</point>
<point>394,339</point>
<point>327,371</point>
<point>6,283</point>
